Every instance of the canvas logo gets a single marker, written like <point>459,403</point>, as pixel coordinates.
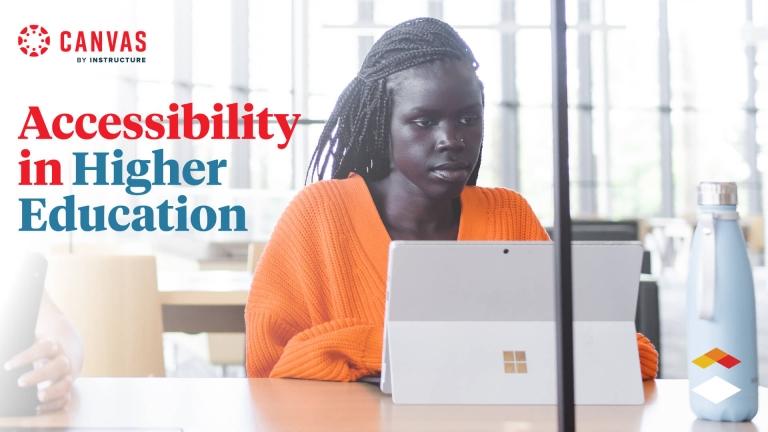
<point>716,389</point>
<point>34,40</point>
<point>86,46</point>
<point>515,362</point>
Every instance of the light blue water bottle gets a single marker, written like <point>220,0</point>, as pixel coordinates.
<point>722,340</point>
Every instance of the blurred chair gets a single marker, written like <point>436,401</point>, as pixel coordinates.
<point>648,313</point>
<point>754,233</point>
<point>669,240</point>
<point>228,349</point>
<point>254,252</point>
<point>602,230</point>
<point>114,304</point>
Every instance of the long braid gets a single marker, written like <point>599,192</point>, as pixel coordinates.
<point>356,136</point>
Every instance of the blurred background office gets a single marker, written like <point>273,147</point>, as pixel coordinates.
<point>663,94</point>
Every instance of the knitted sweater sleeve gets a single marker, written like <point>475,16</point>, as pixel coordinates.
<point>284,336</point>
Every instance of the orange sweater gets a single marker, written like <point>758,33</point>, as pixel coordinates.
<point>316,305</point>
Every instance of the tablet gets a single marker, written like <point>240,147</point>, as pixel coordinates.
<point>19,307</point>
<point>474,323</point>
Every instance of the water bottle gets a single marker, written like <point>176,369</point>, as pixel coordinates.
<point>722,340</point>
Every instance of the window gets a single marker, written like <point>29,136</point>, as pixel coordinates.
<point>658,101</point>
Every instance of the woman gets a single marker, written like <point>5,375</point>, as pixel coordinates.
<point>403,149</point>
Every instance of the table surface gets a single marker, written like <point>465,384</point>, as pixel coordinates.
<point>204,288</point>
<point>233,404</point>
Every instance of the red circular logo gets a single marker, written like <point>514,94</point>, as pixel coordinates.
<point>34,40</point>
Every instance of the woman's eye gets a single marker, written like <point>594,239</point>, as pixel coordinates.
<point>424,122</point>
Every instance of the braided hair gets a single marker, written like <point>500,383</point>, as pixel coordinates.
<point>356,136</point>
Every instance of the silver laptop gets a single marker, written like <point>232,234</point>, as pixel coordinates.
<point>474,323</point>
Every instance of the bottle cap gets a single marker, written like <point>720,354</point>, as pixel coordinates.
<point>717,193</point>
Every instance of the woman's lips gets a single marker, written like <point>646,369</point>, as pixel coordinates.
<point>451,172</point>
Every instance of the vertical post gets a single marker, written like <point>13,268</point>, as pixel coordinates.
<point>240,172</point>
<point>606,197</point>
<point>510,124</point>
<point>586,156</point>
<point>182,68</point>
<point>300,88</point>
<point>563,292</point>
<point>751,147</point>
<point>364,18</point>
<point>435,9</point>
<point>127,90</point>
<point>665,112</point>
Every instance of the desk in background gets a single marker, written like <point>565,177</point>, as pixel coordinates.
<point>204,301</point>
<point>295,405</point>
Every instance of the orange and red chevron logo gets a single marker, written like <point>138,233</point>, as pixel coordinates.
<point>716,356</point>
<point>716,389</point>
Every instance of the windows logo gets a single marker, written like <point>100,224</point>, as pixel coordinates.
<point>716,389</point>
<point>515,363</point>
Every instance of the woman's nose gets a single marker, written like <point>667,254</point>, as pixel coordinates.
<point>450,140</point>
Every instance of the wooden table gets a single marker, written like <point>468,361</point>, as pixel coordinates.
<point>219,404</point>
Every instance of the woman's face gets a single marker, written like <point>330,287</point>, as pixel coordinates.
<point>436,126</point>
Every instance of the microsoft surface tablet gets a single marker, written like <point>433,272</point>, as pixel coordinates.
<point>473,323</point>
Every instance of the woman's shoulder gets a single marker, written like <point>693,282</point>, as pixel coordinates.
<point>327,191</point>
<point>495,197</point>
<point>322,199</point>
<point>314,211</point>
<point>505,213</point>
